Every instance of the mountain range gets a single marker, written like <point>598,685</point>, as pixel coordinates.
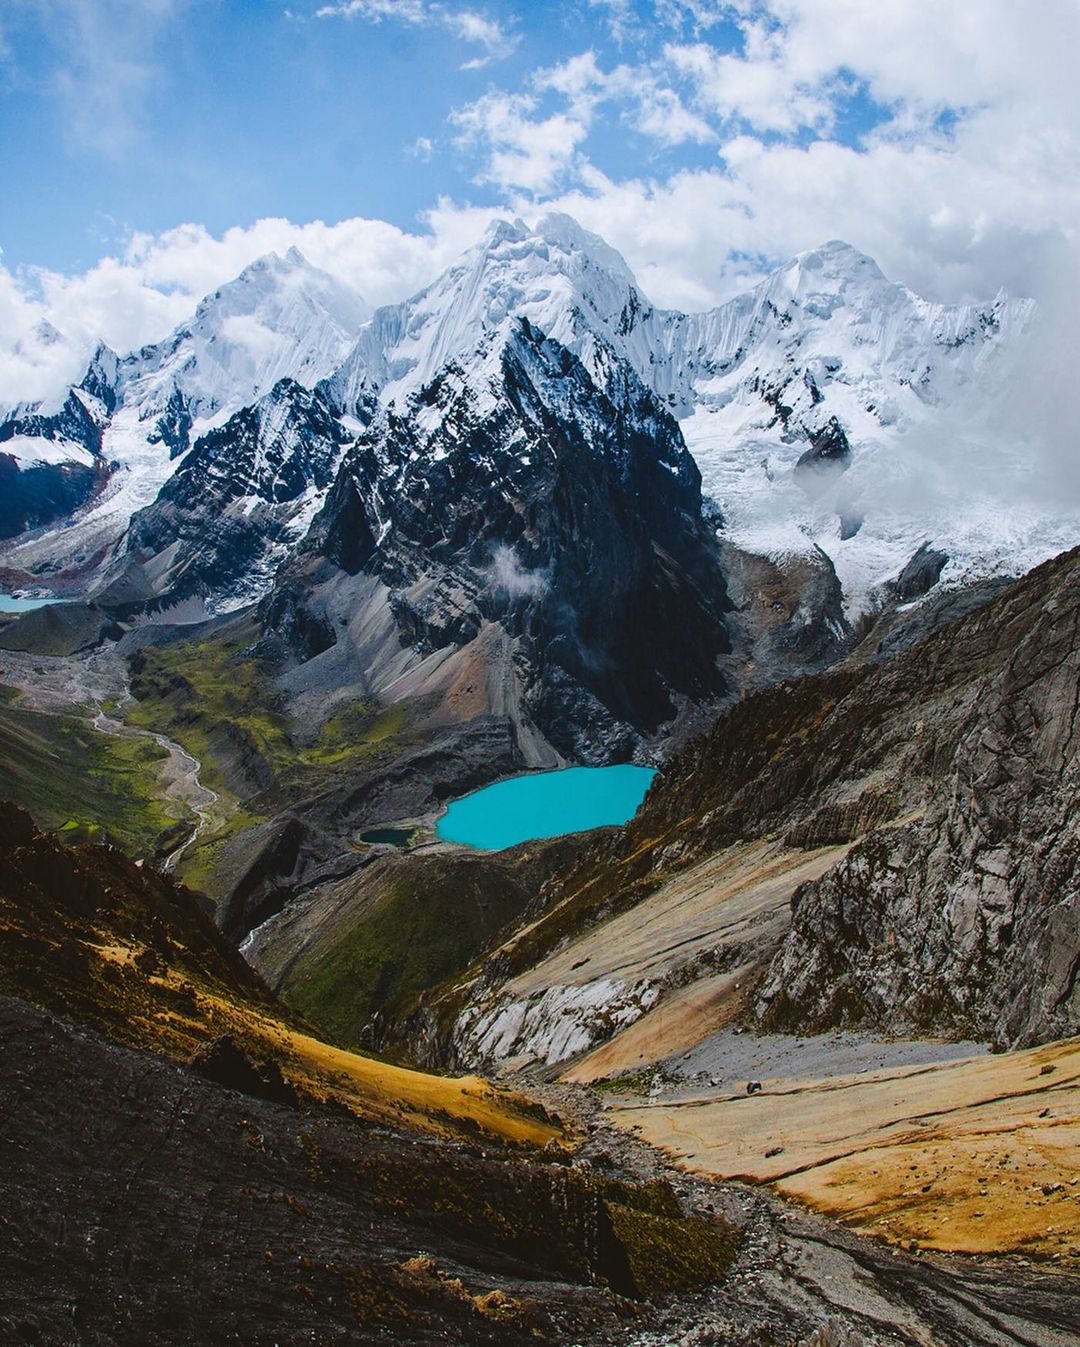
<point>793,399</point>
<point>322,571</point>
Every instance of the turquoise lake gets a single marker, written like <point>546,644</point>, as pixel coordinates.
<point>13,605</point>
<point>545,804</point>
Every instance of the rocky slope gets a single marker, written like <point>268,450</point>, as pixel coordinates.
<point>950,768</point>
<point>300,1180</point>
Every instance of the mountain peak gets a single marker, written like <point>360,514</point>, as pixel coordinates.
<point>835,261</point>
<point>554,231</point>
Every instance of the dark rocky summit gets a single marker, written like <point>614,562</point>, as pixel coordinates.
<point>565,515</point>
<point>828,456</point>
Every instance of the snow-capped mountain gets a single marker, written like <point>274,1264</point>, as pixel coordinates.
<point>567,282</point>
<point>819,406</point>
<point>826,351</point>
<point>828,344</point>
<point>281,318</point>
<point>531,547</point>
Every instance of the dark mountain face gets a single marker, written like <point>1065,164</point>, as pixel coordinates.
<point>237,497</point>
<point>968,917</point>
<point>566,514</point>
<point>67,468</point>
<point>32,497</point>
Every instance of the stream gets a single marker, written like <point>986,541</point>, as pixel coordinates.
<point>181,772</point>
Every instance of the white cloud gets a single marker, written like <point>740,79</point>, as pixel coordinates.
<point>521,151</point>
<point>472,27</point>
<point>757,89</point>
<point>105,62</point>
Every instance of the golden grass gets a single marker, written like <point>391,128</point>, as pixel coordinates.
<point>374,1089</point>
<point>980,1155</point>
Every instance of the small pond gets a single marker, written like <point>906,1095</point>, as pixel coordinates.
<point>545,804</point>
<point>393,837</point>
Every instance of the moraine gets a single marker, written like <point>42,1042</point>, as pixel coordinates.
<point>545,804</point>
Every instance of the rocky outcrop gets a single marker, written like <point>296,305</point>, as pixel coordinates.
<point>828,456</point>
<point>560,508</point>
<point>967,920</point>
<point>920,574</point>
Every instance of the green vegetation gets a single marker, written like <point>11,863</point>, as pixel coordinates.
<point>216,699</point>
<point>198,865</point>
<point>406,928</point>
<point>671,1254</point>
<point>633,1082</point>
<point>79,782</point>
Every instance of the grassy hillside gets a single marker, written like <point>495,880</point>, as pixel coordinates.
<point>376,941</point>
<point>78,781</point>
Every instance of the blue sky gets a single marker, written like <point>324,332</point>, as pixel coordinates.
<point>142,114</point>
<point>150,149</point>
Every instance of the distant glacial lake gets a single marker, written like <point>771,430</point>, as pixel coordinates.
<point>545,804</point>
<point>9,604</point>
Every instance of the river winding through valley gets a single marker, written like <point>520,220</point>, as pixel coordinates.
<point>180,772</point>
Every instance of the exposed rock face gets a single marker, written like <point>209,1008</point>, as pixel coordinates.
<point>921,573</point>
<point>968,919</point>
<point>828,456</point>
<point>244,492</point>
<point>563,511</point>
<point>788,616</point>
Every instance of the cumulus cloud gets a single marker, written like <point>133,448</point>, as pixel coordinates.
<point>521,150</point>
<point>140,295</point>
<point>964,177</point>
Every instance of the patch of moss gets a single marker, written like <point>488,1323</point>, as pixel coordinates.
<point>197,865</point>
<point>666,1254</point>
<point>632,1082</point>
